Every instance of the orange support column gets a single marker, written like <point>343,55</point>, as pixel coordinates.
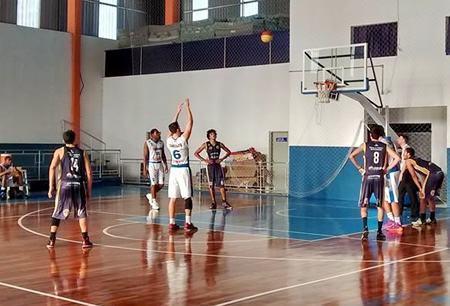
<point>74,28</point>
<point>172,11</point>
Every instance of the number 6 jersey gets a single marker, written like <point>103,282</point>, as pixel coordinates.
<point>179,151</point>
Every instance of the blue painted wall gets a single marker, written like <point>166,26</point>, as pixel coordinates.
<point>310,166</point>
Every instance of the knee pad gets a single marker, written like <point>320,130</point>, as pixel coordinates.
<point>188,203</point>
<point>55,222</point>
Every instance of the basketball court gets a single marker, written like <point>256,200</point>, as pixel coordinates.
<point>269,250</point>
<point>104,202</point>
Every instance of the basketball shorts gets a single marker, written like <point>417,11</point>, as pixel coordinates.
<point>156,173</point>
<point>215,175</point>
<point>391,187</point>
<point>433,185</point>
<point>180,183</point>
<point>371,184</point>
<point>70,196</point>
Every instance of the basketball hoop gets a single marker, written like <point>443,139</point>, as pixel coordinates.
<point>324,90</point>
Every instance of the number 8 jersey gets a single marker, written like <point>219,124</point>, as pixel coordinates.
<point>179,151</point>
<point>374,158</point>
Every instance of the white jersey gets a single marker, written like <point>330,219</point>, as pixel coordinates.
<point>179,151</point>
<point>155,150</point>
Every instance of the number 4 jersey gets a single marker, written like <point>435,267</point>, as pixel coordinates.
<point>72,165</point>
<point>179,151</point>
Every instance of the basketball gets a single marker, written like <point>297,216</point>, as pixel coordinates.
<point>266,36</point>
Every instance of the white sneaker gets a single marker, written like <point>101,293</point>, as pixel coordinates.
<point>417,223</point>
<point>149,198</point>
<point>154,204</point>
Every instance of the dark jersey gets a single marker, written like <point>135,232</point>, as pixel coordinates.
<point>375,158</point>
<point>213,150</point>
<point>72,165</point>
<point>424,164</point>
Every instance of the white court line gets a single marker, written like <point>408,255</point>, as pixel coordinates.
<point>325,236</point>
<point>107,233</point>
<point>254,296</point>
<point>280,259</point>
<point>45,294</point>
<point>280,213</point>
<point>196,222</point>
<point>10,217</point>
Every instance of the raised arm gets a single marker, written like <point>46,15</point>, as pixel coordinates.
<point>56,160</point>
<point>177,114</point>
<point>227,151</point>
<point>190,121</point>
<point>200,150</point>
<point>146,158</point>
<point>395,159</point>
<point>87,167</point>
<point>353,156</point>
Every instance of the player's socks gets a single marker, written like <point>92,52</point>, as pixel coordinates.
<point>432,215</point>
<point>364,220</point>
<point>51,240</point>
<point>380,226</point>
<point>188,219</point>
<point>149,197</point>
<point>423,217</point>
<point>172,220</point>
<point>390,216</point>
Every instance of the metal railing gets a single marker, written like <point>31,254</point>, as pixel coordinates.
<point>87,140</point>
<point>251,177</point>
<point>104,163</point>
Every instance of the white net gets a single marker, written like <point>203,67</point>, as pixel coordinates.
<point>324,90</point>
<point>319,183</point>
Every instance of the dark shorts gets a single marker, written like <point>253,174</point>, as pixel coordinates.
<point>70,196</point>
<point>433,185</point>
<point>371,184</point>
<point>215,175</point>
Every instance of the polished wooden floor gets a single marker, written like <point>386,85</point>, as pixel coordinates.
<point>268,251</point>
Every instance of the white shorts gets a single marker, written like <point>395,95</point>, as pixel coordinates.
<point>180,183</point>
<point>156,173</point>
<point>391,187</point>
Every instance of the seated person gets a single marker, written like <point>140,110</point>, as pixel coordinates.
<point>12,182</point>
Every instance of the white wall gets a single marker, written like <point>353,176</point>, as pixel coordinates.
<point>92,71</point>
<point>417,77</point>
<point>35,83</point>
<point>242,104</point>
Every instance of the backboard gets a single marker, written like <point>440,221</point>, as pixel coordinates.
<point>345,65</point>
